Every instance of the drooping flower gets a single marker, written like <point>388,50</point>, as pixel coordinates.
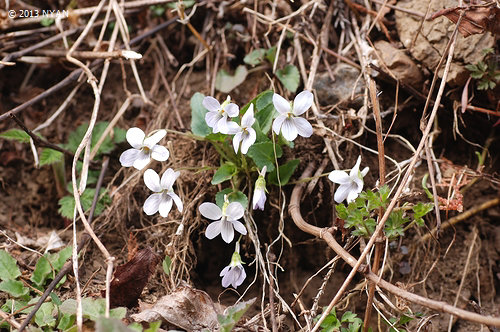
<point>234,274</point>
<point>164,195</point>
<point>143,148</point>
<point>350,184</point>
<point>289,122</point>
<point>246,134</point>
<point>226,219</point>
<point>218,116</point>
<point>259,194</point>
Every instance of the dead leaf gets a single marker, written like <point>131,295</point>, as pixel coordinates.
<point>476,20</point>
<point>130,278</point>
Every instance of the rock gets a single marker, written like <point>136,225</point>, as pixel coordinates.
<point>434,37</point>
<point>400,64</point>
<point>330,91</point>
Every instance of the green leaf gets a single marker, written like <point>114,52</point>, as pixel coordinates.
<point>186,3</point>
<point>67,203</point>
<point>47,21</point>
<point>75,138</point>
<point>16,135</point>
<point>14,288</point>
<point>263,154</point>
<point>471,67</point>
<point>8,266</point>
<point>476,74</point>
<point>232,196</point>
<point>482,66</point>
<point>255,57</point>
<point>66,321</point>
<point>104,324</point>
<point>92,309</point>
<point>225,82</point>
<point>119,135</point>
<point>265,111</point>
<point>225,172</point>
<point>286,170</point>
<point>153,327</point>
<point>271,54</point>
<point>394,225</point>
<point>55,299</point>
<point>42,271</point>
<point>44,317</point>
<point>167,262</point>
<point>341,211</point>
<point>233,314</point>
<point>290,77</point>
<point>199,126</point>
<point>483,84</point>
<point>349,317</point>
<point>50,156</point>
<point>405,319</point>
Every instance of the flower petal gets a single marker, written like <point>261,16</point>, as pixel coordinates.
<point>128,157</point>
<point>355,169</point>
<point>364,171</point>
<point>159,153</point>
<point>151,140</point>
<point>241,277</point>
<point>341,193</point>
<point>168,178</point>
<point>210,211</point>
<point>213,229</point>
<point>239,227</point>
<point>211,104</point>
<point>236,141</point>
<point>339,177</point>
<point>177,200</point>
<point>232,110</point>
<point>232,127</point>
<point>224,271</point>
<point>288,130</point>
<point>302,102</point>
<point>278,123</point>
<point>234,211</point>
<point>211,118</point>
<point>221,125</point>
<point>281,104</point>
<point>227,231</point>
<point>353,194</point>
<point>227,279</point>
<point>248,140</point>
<point>165,205</point>
<point>303,126</point>
<point>152,204</point>
<point>152,180</point>
<point>141,160</point>
<point>248,118</point>
<point>135,137</point>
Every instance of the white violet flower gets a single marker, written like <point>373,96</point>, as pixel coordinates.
<point>246,134</point>
<point>350,184</point>
<point>226,219</point>
<point>234,274</point>
<point>289,122</point>
<point>218,115</point>
<point>143,148</point>
<point>259,194</point>
<point>164,195</point>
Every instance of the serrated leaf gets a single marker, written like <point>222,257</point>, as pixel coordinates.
<point>232,196</point>
<point>225,82</point>
<point>471,67</point>
<point>16,135</point>
<point>50,156</point>
<point>255,57</point>
<point>167,262</point>
<point>75,138</point>
<point>8,266</point>
<point>290,77</point>
<point>263,154</point>
<point>14,288</point>
<point>224,172</point>
<point>67,203</point>
<point>233,314</point>
<point>285,171</point>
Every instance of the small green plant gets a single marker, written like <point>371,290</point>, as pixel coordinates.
<point>348,323</point>
<point>486,72</point>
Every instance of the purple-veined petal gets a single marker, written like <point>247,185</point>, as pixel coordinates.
<point>159,153</point>
<point>165,205</point>
<point>232,110</point>
<point>281,104</point>
<point>248,118</point>
<point>240,276</point>
<point>288,130</point>
<point>239,227</point>
<point>341,193</point>
<point>302,102</point>
<point>303,126</point>
<point>227,231</point>
<point>234,211</point>
<point>168,178</point>
<point>278,123</point>
<point>213,229</point>
<point>339,177</point>
<point>248,139</point>
<point>228,277</point>
<point>211,104</point>
<point>236,141</point>
<point>152,180</point>
<point>128,157</point>
<point>355,169</point>
<point>177,200</point>
<point>210,211</point>
<point>152,204</point>
<point>141,160</point>
<point>151,141</point>
<point>135,137</point>
<point>211,118</point>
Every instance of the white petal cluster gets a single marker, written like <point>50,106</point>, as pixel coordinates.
<point>218,116</point>
<point>164,195</point>
<point>226,220</point>
<point>143,148</point>
<point>234,274</point>
<point>289,121</point>
<point>246,134</point>
<point>350,184</point>
<point>259,194</point>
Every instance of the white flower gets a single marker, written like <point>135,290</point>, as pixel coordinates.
<point>233,274</point>
<point>259,194</point>
<point>227,220</point>
<point>350,184</point>
<point>289,122</point>
<point>246,134</point>
<point>164,195</point>
<point>218,115</point>
<point>143,148</point>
